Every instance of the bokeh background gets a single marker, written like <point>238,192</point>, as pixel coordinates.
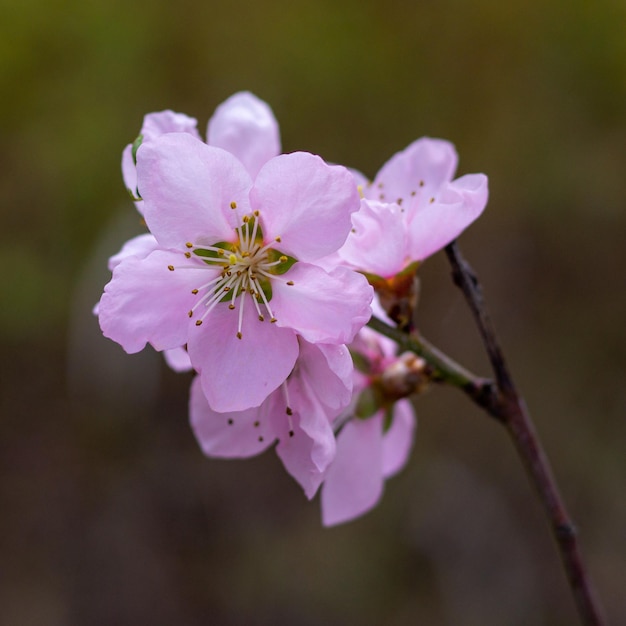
<point>109,513</point>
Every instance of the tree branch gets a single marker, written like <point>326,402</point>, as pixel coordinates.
<point>510,408</point>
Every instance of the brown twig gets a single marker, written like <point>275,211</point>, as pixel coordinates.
<point>509,407</point>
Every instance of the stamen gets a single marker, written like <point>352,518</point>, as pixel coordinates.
<point>240,322</point>
<point>288,410</point>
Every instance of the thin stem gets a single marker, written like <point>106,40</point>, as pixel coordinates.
<point>442,368</point>
<point>512,411</point>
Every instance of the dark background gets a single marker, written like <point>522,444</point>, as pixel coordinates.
<point>109,514</point>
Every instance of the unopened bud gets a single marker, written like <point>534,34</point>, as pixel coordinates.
<point>407,375</point>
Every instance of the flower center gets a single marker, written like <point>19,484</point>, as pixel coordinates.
<point>246,266</point>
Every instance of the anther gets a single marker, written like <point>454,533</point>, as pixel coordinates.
<point>230,421</point>
<point>189,244</point>
<point>283,259</point>
<point>414,193</point>
<point>277,239</point>
<point>170,268</point>
<point>291,433</point>
<point>290,283</point>
<point>239,335</point>
<point>431,200</point>
<point>231,307</point>
<point>261,439</point>
<point>261,318</point>
<point>194,291</point>
<point>257,424</point>
<point>188,255</point>
<point>288,411</point>
<point>233,205</point>
<point>198,322</point>
<point>273,320</point>
<point>190,313</point>
<point>421,183</point>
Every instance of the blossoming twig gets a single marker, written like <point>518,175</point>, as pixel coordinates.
<point>511,410</point>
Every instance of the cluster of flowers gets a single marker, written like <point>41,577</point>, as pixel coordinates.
<point>254,274</point>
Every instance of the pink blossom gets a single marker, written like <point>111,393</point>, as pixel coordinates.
<point>233,275</point>
<point>412,209</point>
<point>297,415</point>
<point>375,442</point>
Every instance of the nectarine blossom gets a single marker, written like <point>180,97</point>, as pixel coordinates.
<point>233,275</point>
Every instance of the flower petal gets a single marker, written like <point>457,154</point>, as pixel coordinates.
<point>328,371</point>
<point>398,440</point>
<point>305,202</point>
<point>178,359</point>
<point>237,434</point>
<point>245,126</point>
<point>354,481</point>
<point>156,124</point>
<point>378,242</point>
<point>129,174</point>
<point>240,373</point>
<point>147,302</point>
<point>187,189</point>
<point>322,307</point>
<point>140,246</point>
<point>309,448</point>
<point>419,169</point>
<point>457,205</point>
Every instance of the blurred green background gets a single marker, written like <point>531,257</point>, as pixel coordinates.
<point>109,514</point>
